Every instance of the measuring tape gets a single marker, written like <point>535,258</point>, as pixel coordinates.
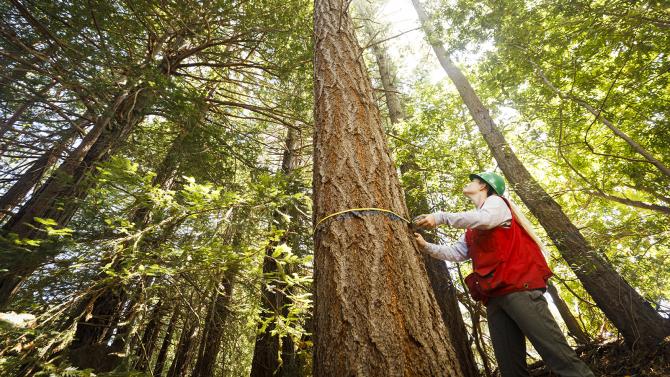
<point>362,211</point>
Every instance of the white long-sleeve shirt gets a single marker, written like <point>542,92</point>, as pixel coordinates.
<point>494,212</point>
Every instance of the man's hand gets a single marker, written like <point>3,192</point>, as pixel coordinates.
<point>425,221</point>
<point>419,239</point>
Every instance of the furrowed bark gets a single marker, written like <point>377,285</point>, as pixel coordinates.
<point>375,314</point>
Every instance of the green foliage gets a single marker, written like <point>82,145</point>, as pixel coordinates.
<point>190,195</point>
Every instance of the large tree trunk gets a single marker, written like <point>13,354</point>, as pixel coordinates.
<point>91,348</point>
<point>217,314</point>
<point>629,312</point>
<point>395,108</point>
<point>104,306</point>
<point>375,314</point>
<point>59,196</point>
<point>274,301</point>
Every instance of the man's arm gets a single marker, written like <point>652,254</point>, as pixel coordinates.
<point>456,252</point>
<point>493,212</point>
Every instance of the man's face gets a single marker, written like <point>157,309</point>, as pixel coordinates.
<point>474,187</point>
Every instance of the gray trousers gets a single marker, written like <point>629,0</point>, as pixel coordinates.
<point>526,313</point>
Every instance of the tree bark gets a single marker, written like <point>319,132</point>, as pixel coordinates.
<point>476,313</point>
<point>274,301</point>
<point>385,67</point>
<point>375,314</point>
<point>570,321</point>
<point>104,307</point>
<point>443,287</point>
<point>637,321</point>
<point>445,293</point>
<point>396,111</point>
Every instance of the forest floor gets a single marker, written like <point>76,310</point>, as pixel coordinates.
<point>615,359</point>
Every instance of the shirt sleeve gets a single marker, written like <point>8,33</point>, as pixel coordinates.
<point>456,252</point>
<point>492,213</point>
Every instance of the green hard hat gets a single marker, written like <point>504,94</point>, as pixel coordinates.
<point>493,179</point>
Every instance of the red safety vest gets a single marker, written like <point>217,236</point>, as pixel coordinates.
<point>504,260</point>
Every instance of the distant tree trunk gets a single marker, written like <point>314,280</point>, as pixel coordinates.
<point>274,301</point>
<point>445,293</point>
<point>107,304</point>
<point>384,65</point>
<point>147,345</point>
<point>183,353</point>
<point>375,314</point>
<point>438,273</point>
<point>31,177</point>
<point>167,341</point>
<point>629,312</point>
<point>570,321</point>
<point>16,115</point>
<point>215,322</point>
<point>396,111</point>
<point>478,336</point>
<point>475,309</point>
<point>59,196</point>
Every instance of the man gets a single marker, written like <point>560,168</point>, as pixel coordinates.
<point>509,275</point>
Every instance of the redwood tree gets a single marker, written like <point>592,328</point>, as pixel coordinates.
<point>375,314</point>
